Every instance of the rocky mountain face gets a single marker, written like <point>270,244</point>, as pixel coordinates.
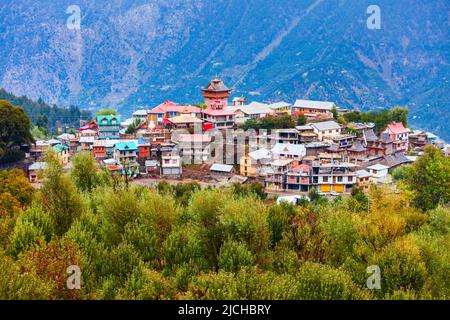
<point>130,53</point>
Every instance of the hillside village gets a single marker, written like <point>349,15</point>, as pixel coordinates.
<point>206,143</point>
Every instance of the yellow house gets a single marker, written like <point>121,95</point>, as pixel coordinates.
<point>250,164</point>
<point>62,152</point>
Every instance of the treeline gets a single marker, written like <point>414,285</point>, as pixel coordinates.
<point>184,242</point>
<point>380,118</point>
<point>47,118</point>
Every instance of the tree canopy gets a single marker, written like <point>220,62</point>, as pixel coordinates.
<point>185,242</point>
<point>15,130</point>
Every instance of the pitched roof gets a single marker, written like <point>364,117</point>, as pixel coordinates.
<point>60,148</point>
<point>38,166</point>
<point>288,148</point>
<point>396,128</point>
<point>259,154</point>
<point>386,138</point>
<point>280,104</point>
<point>170,106</point>
<point>125,146</point>
<point>370,135</point>
<point>357,147</point>
<point>326,125</point>
<point>216,85</point>
<point>363,174</point>
<point>322,105</point>
<point>395,160</point>
<point>378,167</point>
<point>184,119</point>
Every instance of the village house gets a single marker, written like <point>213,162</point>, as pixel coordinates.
<point>299,178</point>
<point>399,134</point>
<point>108,127</point>
<point>125,152</point>
<point>288,151</point>
<point>38,149</point>
<point>157,117</point>
<point>378,146</point>
<point>251,164</point>
<point>219,118</point>
<point>183,122</point>
<point>254,110</point>
<point>306,134</point>
<point>281,108</point>
<point>316,147</point>
<point>69,140</point>
<point>379,173</point>
<point>314,109</point>
<point>329,178</point>
<point>194,148</point>
<point>363,179</point>
<point>62,153</point>
<point>326,128</point>
<point>171,165</point>
<point>144,148</point>
<point>284,136</point>
<point>141,114</point>
<point>34,171</point>
<point>357,152</point>
<point>276,174</point>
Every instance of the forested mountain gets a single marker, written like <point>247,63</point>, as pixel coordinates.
<point>51,117</point>
<point>141,52</point>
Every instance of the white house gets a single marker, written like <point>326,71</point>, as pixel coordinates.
<point>326,128</point>
<point>288,151</point>
<point>379,173</point>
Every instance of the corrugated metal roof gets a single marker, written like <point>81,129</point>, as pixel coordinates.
<point>221,167</point>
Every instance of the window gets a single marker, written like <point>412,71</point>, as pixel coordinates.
<point>325,179</point>
<point>340,179</point>
<point>350,179</point>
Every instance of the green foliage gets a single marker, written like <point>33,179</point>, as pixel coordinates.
<point>85,172</point>
<point>15,130</point>
<point>429,179</point>
<point>270,123</point>
<point>132,128</point>
<point>48,116</point>
<point>184,242</point>
<point>106,112</point>
<point>301,120</point>
<point>234,255</point>
<point>380,118</point>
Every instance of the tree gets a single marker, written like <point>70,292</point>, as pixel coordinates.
<point>84,172</point>
<point>131,129</point>
<point>15,129</point>
<point>58,195</point>
<point>334,112</point>
<point>106,112</point>
<point>17,185</point>
<point>301,120</point>
<point>429,179</point>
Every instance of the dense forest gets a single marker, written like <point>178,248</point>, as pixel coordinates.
<point>47,118</point>
<point>184,242</point>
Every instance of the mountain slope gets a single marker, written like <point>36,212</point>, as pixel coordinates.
<point>130,53</point>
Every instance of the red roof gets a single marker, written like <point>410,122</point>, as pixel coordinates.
<point>218,112</point>
<point>170,106</point>
<point>396,128</point>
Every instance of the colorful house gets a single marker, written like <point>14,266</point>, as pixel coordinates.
<point>400,135</point>
<point>219,118</point>
<point>314,109</point>
<point>157,117</point>
<point>143,150</point>
<point>62,152</point>
<point>251,164</point>
<point>125,152</point>
<point>108,127</point>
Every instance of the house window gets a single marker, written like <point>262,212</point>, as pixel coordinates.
<point>350,179</point>
<point>325,179</point>
<point>340,179</point>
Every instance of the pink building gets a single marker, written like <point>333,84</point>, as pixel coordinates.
<point>399,134</point>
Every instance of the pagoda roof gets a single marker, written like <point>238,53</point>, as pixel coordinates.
<point>216,85</point>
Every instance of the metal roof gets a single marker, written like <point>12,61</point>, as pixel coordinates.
<point>221,167</point>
